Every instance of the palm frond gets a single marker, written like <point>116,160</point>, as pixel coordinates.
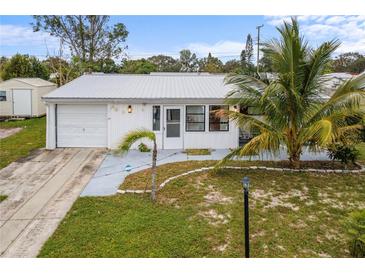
<point>133,136</point>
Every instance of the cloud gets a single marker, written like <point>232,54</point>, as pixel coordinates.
<point>23,36</point>
<point>219,49</point>
<point>350,30</point>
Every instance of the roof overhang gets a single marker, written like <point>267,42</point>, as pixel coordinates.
<point>133,100</point>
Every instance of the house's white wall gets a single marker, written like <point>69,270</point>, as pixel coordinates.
<point>51,126</point>
<point>39,108</point>
<point>120,122</point>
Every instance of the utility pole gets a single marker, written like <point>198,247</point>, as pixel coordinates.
<point>258,48</point>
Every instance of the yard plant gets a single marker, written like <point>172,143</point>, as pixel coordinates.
<point>136,135</point>
<point>293,112</point>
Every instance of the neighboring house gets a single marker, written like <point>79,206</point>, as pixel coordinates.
<point>97,110</point>
<point>21,97</point>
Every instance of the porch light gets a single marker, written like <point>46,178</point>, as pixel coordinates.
<point>235,108</point>
<point>129,109</point>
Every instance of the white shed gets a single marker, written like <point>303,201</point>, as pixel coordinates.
<point>21,97</point>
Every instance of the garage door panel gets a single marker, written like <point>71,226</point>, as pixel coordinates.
<point>81,125</point>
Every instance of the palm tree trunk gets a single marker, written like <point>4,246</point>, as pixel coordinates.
<point>154,160</point>
<point>294,159</point>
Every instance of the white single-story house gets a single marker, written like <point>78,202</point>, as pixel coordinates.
<point>21,97</point>
<point>97,110</point>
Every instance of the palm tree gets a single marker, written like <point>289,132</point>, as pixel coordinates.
<point>132,137</point>
<point>294,113</point>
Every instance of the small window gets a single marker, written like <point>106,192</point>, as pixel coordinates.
<point>156,119</point>
<point>195,118</point>
<point>2,95</point>
<point>217,123</point>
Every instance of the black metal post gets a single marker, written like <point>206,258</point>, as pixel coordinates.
<point>246,183</point>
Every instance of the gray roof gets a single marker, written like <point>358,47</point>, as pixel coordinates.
<point>36,82</point>
<point>147,86</point>
<point>172,86</point>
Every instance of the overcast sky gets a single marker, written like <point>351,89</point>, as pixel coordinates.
<point>223,36</point>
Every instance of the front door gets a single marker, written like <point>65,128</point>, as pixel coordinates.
<point>173,128</point>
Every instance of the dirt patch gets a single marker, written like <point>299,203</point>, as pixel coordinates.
<point>216,197</point>
<point>6,132</point>
<point>273,200</point>
<point>214,218</point>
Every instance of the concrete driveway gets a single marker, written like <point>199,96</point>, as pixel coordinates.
<point>41,189</point>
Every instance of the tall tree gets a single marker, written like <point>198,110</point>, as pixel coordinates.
<point>292,113</point>
<point>188,61</point>
<point>165,63</point>
<point>246,56</point>
<point>24,66</point>
<point>249,49</point>
<point>90,37</point>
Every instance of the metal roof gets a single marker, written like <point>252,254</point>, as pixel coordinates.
<point>160,86</point>
<point>36,82</point>
<point>148,86</point>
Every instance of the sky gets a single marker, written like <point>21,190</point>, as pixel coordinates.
<point>223,36</point>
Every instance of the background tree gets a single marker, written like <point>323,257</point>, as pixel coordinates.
<point>165,63</point>
<point>141,66</point>
<point>211,64</point>
<point>61,71</point>
<point>137,135</point>
<point>266,63</point>
<point>188,61</point>
<point>246,56</point>
<point>24,66</point>
<point>232,66</point>
<point>349,62</point>
<point>292,115</point>
<point>90,38</point>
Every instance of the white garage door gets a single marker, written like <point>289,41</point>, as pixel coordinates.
<point>81,126</point>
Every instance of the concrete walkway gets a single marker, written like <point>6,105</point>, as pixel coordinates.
<point>40,192</point>
<point>112,172</point>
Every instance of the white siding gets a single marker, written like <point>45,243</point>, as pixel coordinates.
<point>122,122</point>
<point>141,117</point>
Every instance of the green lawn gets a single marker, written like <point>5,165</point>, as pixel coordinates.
<point>361,148</point>
<point>201,215</point>
<point>32,136</point>
<point>201,151</point>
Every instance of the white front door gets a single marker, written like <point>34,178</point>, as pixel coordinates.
<point>82,126</point>
<point>22,102</point>
<point>173,128</point>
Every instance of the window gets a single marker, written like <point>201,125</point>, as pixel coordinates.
<point>195,118</point>
<point>2,95</point>
<point>217,123</point>
<point>156,118</point>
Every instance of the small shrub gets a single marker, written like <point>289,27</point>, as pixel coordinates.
<point>344,153</point>
<point>143,148</point>
<point>355,224</point>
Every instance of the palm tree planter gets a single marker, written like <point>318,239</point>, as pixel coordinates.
<point>293,112</point>
<point>132,137</point>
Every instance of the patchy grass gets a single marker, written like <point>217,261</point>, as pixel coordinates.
<point>195,152</point>
<point>142,179</point>
<point>3,197</point>
<point>361,148</point>
<point>200,215</point>
<point>21,144</point>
